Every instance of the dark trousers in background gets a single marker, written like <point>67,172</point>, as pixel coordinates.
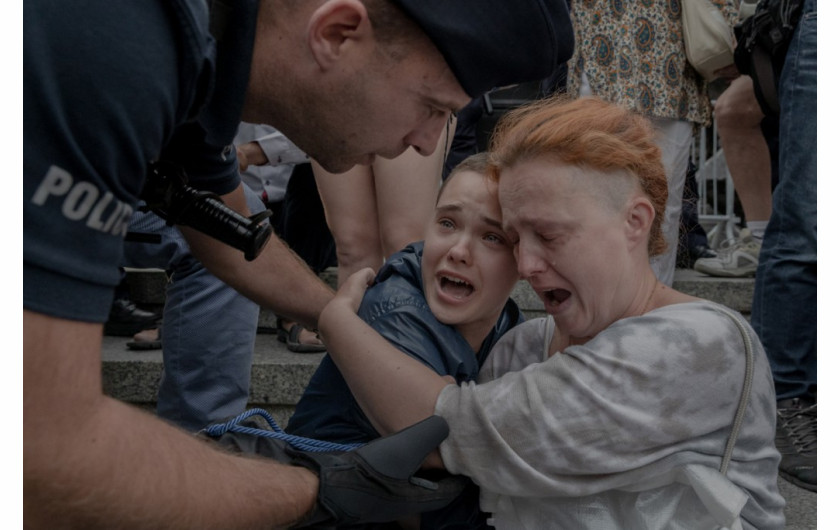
<point>299,220</point>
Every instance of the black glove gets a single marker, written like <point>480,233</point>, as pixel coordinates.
<point>374,483</point>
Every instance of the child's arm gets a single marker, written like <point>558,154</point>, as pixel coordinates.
<point>393,389</point>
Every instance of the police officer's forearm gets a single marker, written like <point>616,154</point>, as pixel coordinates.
<point>277,279</point>
<point>93,462</point>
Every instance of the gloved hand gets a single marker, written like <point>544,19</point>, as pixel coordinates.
<point>374,483</point>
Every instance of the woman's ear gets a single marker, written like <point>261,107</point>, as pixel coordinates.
<point>639,218</point>
<point>336,29</point>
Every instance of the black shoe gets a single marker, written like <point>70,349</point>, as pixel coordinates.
<point>126,319</point>
<point>796,440</point>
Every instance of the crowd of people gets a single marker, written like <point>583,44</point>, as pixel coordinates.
<point>330,123</point>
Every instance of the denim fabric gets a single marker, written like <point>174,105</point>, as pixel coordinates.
<point>208,329</point>
<point>784,312</point>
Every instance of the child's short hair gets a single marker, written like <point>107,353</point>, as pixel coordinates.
<point>478,163</point>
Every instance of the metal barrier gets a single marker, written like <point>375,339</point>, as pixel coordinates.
<point>716,191</point>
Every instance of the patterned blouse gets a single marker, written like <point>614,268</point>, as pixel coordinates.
<point>633,54</point>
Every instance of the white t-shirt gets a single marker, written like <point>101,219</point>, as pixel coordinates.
<point>626,431</point>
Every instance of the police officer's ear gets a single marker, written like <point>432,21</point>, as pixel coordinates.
<point>338,31</point>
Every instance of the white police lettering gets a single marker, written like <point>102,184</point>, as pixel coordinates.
<point>79,201</point>
<point>83,200</point>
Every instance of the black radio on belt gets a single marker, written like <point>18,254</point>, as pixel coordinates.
<point>167,194</point>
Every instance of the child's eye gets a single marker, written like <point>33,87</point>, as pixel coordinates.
<point>495,238</point>
<point>446,223</point>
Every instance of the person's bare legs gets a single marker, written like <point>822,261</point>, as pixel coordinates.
<point>375,211</point>
<point>738,117</point>
<point>351,212</point>
<point>406,188</point>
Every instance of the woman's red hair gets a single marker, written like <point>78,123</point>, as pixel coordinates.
<point>585,132</point>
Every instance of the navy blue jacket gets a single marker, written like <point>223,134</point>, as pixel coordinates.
<point>396,307</point>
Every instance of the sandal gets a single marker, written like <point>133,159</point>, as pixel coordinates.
<point>148,339</point>
<point>291,338</point>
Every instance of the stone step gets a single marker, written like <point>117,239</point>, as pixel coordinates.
<point>278,376</point>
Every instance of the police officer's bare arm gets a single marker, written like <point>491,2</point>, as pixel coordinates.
<point>278,279</point>
<point>118,466</point>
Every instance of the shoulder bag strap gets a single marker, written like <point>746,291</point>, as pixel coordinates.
<point>745,392</point>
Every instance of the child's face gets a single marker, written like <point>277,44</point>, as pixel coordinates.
<point>468,265</point>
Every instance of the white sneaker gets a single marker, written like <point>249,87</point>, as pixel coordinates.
<point>737,260</point>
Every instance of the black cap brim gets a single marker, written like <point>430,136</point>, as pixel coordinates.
<point>494,43</point>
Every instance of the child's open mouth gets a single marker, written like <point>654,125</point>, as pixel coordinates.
<point>455,287</point>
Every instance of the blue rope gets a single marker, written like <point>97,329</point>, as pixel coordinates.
<point>298,442</point>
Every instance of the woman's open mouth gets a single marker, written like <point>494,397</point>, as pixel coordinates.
<point>555,297</point>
